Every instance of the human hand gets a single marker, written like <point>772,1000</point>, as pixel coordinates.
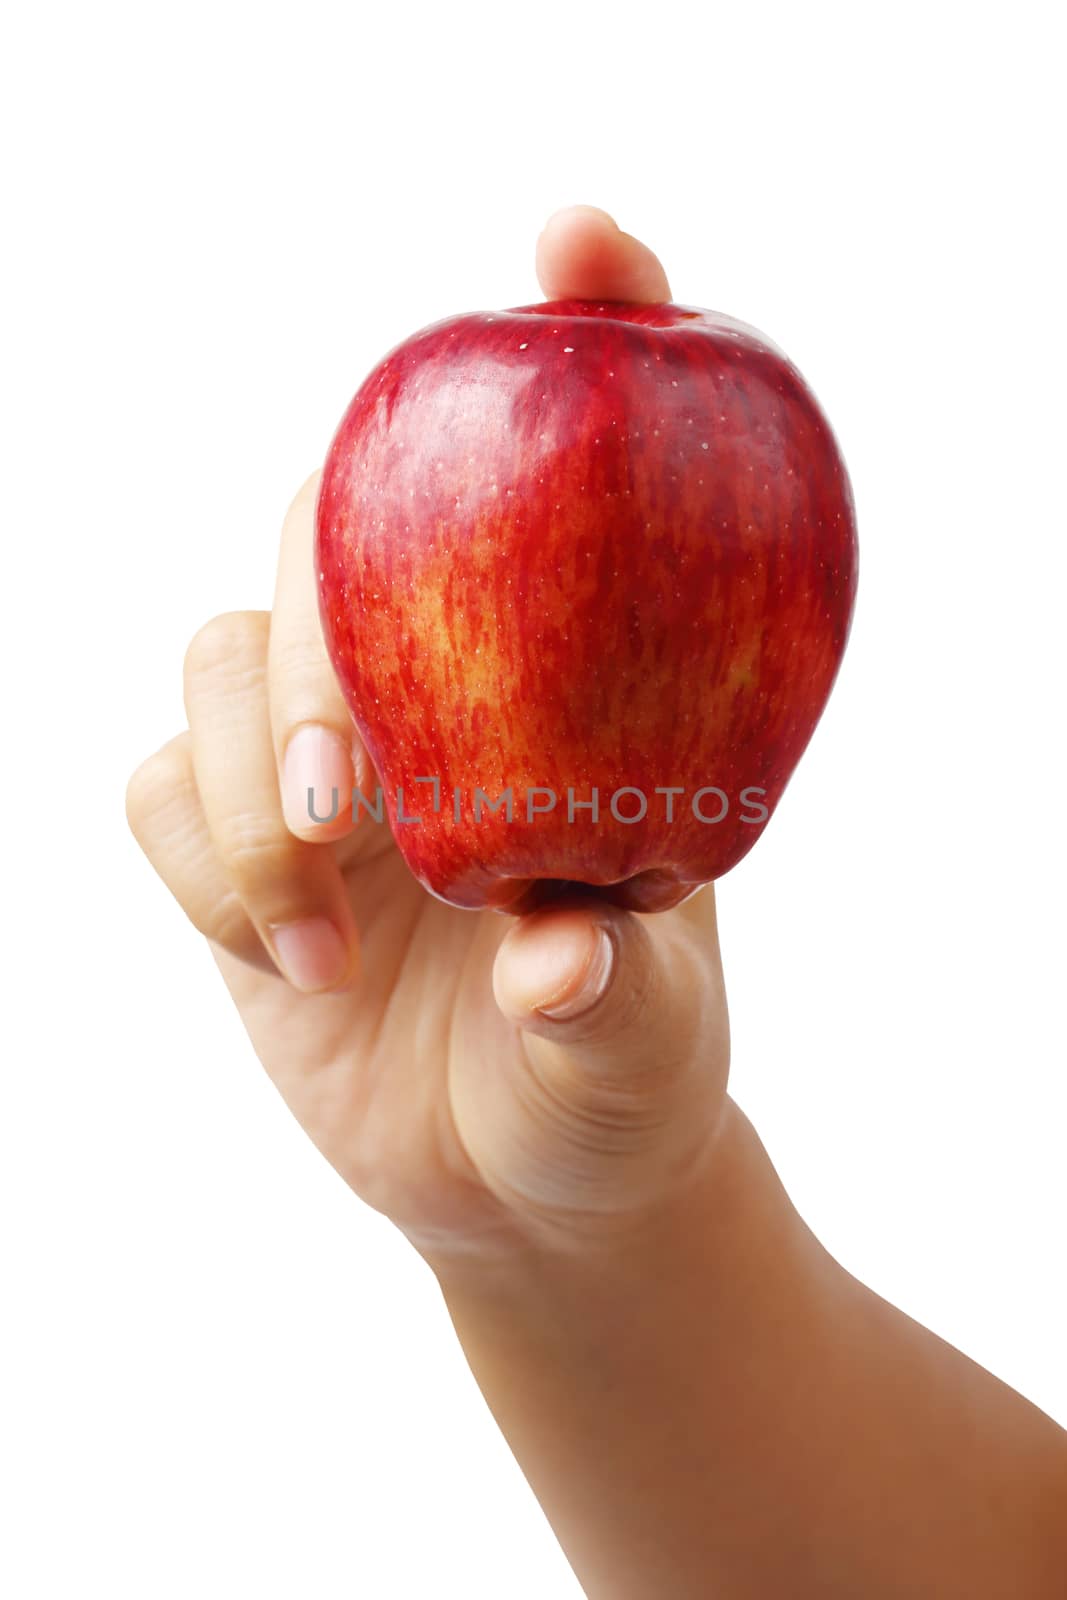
<point>488,1083</point>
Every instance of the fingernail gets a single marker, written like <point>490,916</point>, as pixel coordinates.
<point>596,979</point>
<point>317,778</point>
<point>311,953</point>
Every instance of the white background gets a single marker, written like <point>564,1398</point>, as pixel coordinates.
<point>223,1376</point>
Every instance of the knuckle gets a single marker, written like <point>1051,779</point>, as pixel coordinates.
<point>141,790</point>
<point>225,643</point>
<point>304,499</point>
<point>254,852</point>
<point>300,665</point>
<point>225,922</point>
<point>151,788</point>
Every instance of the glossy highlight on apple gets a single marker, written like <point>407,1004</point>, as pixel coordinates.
<point>588,545</point>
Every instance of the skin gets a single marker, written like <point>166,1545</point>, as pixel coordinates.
<point>703,1400</point>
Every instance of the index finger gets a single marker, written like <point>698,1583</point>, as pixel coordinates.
<point>319,753</point>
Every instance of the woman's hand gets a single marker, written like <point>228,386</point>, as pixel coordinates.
<point>702,1399</point>
<point>485,1082</point>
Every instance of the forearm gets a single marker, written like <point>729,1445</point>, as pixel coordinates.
<point>720,1408</point>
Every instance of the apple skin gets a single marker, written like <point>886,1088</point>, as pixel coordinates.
<point>581,544</point>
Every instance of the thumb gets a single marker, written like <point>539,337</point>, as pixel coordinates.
<point>625,1050</point>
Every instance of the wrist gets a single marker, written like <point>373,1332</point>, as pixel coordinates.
<point>695,1215</point>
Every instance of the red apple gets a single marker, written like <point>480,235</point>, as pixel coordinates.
<point>597,551</point>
